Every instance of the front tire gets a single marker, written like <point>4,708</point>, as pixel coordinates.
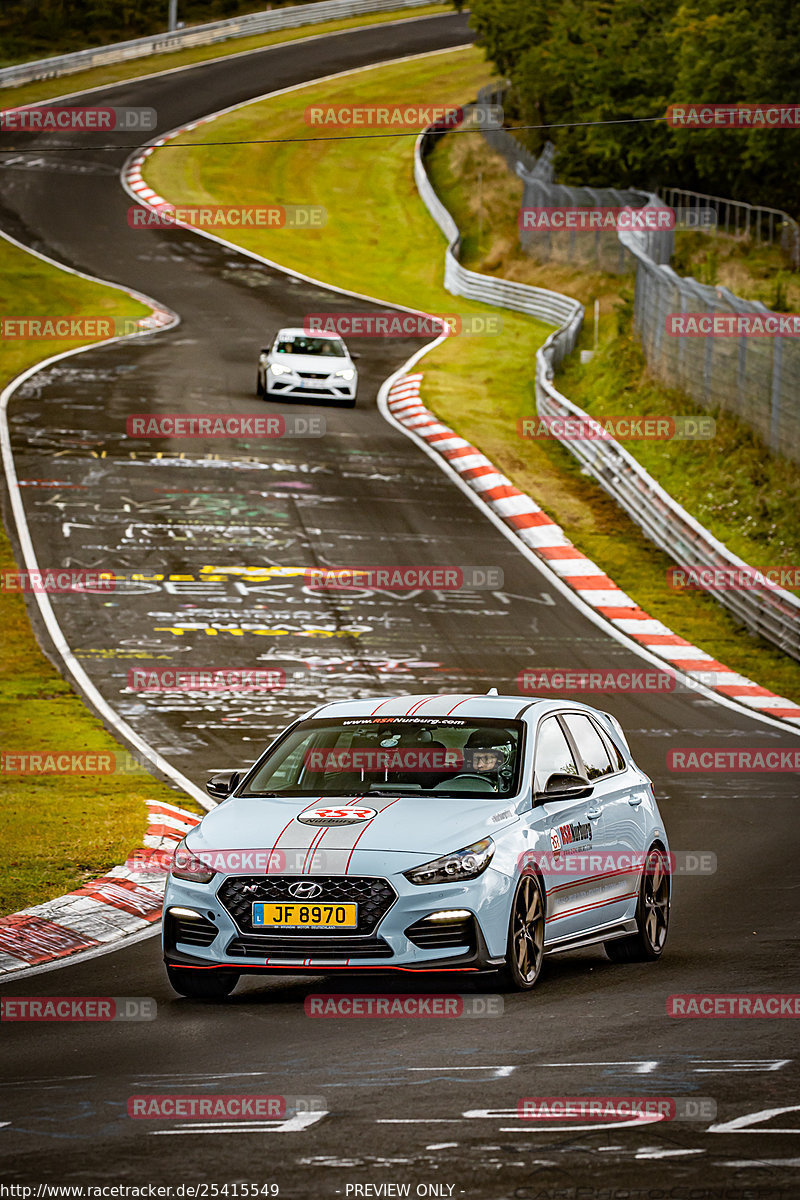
<point>260,386</point>
<point>525,946</point>
<point>652,915</point>
<point>202,985</point>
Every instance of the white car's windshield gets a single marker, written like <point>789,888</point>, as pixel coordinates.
<point>353,756</point>
<point>299,344</point>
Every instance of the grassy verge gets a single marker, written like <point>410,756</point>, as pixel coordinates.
<point>390,248</point>
<point>58,831</point>
<point>116,72</point>
<point>748,498</point>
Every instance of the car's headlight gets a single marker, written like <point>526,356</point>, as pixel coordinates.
<point>186,865</point>
<point>461,864</point>
<point>348,373</point>
<point>280,369</point>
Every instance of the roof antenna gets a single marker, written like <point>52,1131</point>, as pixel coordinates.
<point>492,692</point>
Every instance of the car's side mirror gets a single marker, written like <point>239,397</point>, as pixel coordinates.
<point>561,785</point>
<point>265,350</point>
<point>355,356</point>
<point>220,786</point>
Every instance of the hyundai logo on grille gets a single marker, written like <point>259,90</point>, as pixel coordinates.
<point>305,891</point>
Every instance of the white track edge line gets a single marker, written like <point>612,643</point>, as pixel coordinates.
<point>85,685</point>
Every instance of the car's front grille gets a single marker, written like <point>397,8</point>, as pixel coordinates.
<point>374,898</point>
<point>441,935</point>
<point>313,375</point>
<point>272,946</point>
<point>191,931</point>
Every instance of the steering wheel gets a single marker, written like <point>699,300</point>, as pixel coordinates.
<point>446,784</point>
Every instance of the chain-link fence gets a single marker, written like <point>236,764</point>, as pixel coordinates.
<point>596,248</point>
<point>750,222</point>
<point>749,366</point>
<point>756,376</point>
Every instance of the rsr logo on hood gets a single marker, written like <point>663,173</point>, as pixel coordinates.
<point>346,815</point>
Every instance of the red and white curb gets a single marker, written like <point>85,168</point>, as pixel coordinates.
<point>136,184</point>
<point>548,541</point>
<point>125,901</point>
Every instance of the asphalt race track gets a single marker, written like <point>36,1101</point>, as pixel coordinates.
<point>418,1102</point>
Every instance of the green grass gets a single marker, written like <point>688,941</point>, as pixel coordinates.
<point>748,498</point>
<point>81,81</point>
<point>389,248</point>
<point>58,831</point>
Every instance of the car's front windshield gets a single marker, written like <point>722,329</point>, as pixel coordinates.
<point>393,755</point>
<point>299,344</point>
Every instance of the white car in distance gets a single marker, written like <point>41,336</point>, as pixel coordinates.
<point>307,366</point>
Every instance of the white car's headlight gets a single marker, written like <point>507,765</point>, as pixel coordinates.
<point>348,373</point>
<point>280,369</point>
<point>461,864</point>
<point>186,865</point>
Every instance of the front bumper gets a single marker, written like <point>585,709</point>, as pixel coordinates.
<point>221,936</point>
<point>296,388</point>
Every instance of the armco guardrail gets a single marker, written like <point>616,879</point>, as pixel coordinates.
<point>754,376</point>
<point>771,612</point>
<point>197,35</point>
<point>550,307</point>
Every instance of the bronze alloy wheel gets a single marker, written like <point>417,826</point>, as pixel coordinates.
<point>652,914</point>
<point>525,935</point>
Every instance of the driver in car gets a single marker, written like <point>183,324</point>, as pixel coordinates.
<point>490,752</point>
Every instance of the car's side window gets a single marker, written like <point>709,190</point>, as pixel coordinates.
<point>552,751</point>
<point>591,746</point>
